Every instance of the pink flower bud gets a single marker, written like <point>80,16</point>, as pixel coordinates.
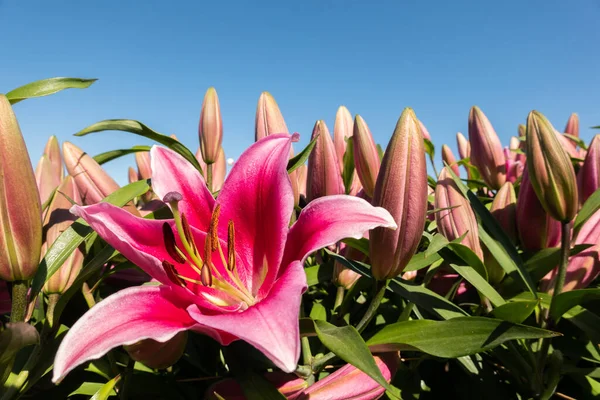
<point>301,178</point>
<point>268,119</point>
<point>366,157</point>
<point>572,127</point>
<point>20,207</point>
<point>342,131</point>
<point>142,160</point>
<point>52,151</point>
<point>45,179</point>
<point>588,177</point>
<point>210,128</point>
<point>537,230</point>
<point>486,149</point>
<point>93,183</point>
<point>448,158</point>
<point>346,277</point>
<point>424,131</point>
<point>219,171</point>
<point>457,221</point>
<point>158,355</point>
<point>504,209</point>
<point>401,189</point>
<point>288,384</point>
<point>58,218</point>
<point>201,161</point>
<point>550,169</point>
<point>132,175</point>
<point>323,175</point>
<point>464,147</point>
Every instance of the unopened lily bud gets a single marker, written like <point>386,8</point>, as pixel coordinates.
<point>550,170</point>
<point>269,119</point>
<point>210,128</point>
<point>301,178</point>
<point>219,171</point>
<point>289,385</point>
<point>486,149</point>
<point>366,157</point>
<point>514,168</point>
<point>57,220</point>
<point>45,179</point>
<point>342,131</point>
<point>455,222</point>
<point>424,131</point>
<point>401,189</point>
<point>522,130</point>
<point>52,151</point>
<point>515,144</point>
<point>504,209</point>
<point>201,161</point>
<point>20,207</point>
<point>464,147</point>
<point>142,160</point>
<point>572,127</point>
<point>93,182</point>
<point>158,355</point>
<point>588,177</point>
<point>568,145</point>
<point>346,277</point>
<point>448,158</point>
<point>537,230</point>
<point>323,175</point>
<point>132,175</point>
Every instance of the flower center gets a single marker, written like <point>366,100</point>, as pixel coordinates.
<point>225,280</point>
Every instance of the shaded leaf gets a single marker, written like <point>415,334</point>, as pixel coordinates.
<point>348,162</point>
<point>107,390</point>
<point>515,311</point>
<point>318,274</point>
<point>47,87</point>
<point>14,337</point>
<point>300,158</point>
<point>114,154</point>
<point>563,302</point>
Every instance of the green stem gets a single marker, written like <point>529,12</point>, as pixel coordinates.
<point>380,287</point>
<point>209,176</point>
<point>307,356</point>
<point>19,301</point>
<point>339,297</point>
<point>87,295</point>
<point>433,166</point>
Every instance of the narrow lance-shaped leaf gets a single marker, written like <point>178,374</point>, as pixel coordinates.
<point>114,154</point>
<point>46,87</point>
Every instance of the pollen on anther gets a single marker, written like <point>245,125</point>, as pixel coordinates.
<point>187,231</point>
<point>231,246</point>
<point>172,274</point>
<point>213,229</point>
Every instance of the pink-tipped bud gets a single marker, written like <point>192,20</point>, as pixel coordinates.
<point>464,146</point>
<point>93,183</point>
<point>346,277</point>
<point>289,385</point>
<point>401,189</point>
<point>52,151</point>
<point>219,171</point>
<point>45,179</point>
<point>301,178</point>
<point>201,162</point>
<point>268,119</point>
<point>537,230</point>
<point>424,131</point>
<point>132,175</point>
<point>323,175</point>
<point>486,149</point>
<point>455,222</point>
<point>572,127</point>
<point>57,220</point>
<point>504,209</point>
<point>20,207</point>
<point>448,158</point>
<point>366,157</point>
<point>342,131</point>
<point>550,169</point>
<point>210,128</point>
<point>142,160</point>
<point>158,355</point>
<point>588,177</point>
<point>514,167</point>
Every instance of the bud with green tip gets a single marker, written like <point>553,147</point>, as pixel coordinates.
<point>323,174</point>
<point>588,177</point>
<point>424,131</point>
<point>210,128</point>
<point>20,207</point>
<point>572,127</point>
<point>52,151</point>
<point>486,150</point>
<point>366,157</point>
<point>45,179</point>
<point>550,170</point>
<point>57,220</point>
<point>343,129</point>
<point>401,189</point>
<point>464,147</point>
<point>448,158</point>
<point>268,119</point>
<point>454,222</point>
<point>504,209</point>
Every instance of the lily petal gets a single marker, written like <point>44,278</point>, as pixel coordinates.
<point>271,325</point>
<point>329,219</point>
<point>173,173</point>
<point>257,196</point>
<point>146,312</point>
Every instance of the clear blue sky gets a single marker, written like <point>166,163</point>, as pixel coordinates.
<point>155,59</point>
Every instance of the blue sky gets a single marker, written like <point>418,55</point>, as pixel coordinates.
<point>155,59</point>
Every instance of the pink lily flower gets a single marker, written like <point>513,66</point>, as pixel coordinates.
<point>238,279</point>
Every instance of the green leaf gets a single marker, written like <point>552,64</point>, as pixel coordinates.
<point>46,87</point>
<point>78,232</point>
<point>589,208</point>
<point>89,389</point>
<point>347,344</point>
<point>361,244</point>
<point>437,243</point>
<point>13,338</point>
<point>479,282</point>
<point>318,274</point>
<point>420,261</point>
<point>348,162</point>
<point>515,311</point>
<point>107,390</point>
<point>429,148</point>
<point>380,152</point>
<point>563,302</point>
<point>136,127</point>
<point>577,140</point>
<point>114,154</point>
<point>300,158</point>
<point>468,256</point>
<point>453,338</point>
<point>256,387</point>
